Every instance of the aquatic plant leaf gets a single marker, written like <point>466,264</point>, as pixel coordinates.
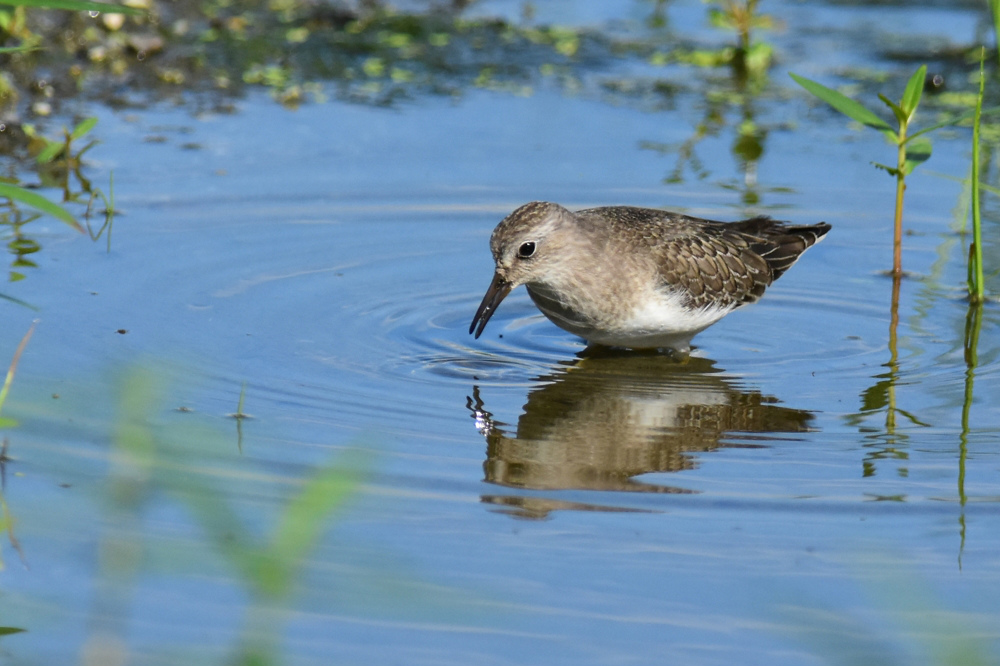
<point>75,5</point>
<point>6,631</point>
<point>83,127</point>
<point>914,89</point>
<point>917,152</point>
<point>6,422</point>
<point>49,152</point>
<point>896,109</point>
<point>844,104</point>
<point>23,48</point>
<point>893,171</point>
<point>39,202</point>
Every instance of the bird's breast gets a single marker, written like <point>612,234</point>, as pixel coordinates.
<point>560,309</point>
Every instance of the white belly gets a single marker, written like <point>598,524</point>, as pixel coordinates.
<point>660,320</point>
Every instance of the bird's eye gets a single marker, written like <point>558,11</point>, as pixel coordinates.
<point>526,250</point>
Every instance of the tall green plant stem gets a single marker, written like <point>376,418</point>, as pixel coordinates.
<point>897,236</point>
<point>977,290</point>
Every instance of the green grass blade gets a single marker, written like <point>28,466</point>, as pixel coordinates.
<point>954,120</point>
<point>977,289</point>
<point>39,202</point>
<point>844,104</point>
<point>83,127</point>
<point>219,522</point>
<point>75,5</point>
<point>914,89</point>
<point>306,516</point>
<point>23,48</point>
<point>308,511</point>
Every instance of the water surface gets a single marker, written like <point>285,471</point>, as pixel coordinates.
<point>524,501</point>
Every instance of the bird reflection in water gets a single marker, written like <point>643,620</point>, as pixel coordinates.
<point>611,416</point>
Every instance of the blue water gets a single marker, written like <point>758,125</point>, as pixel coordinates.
<point>522,504</point>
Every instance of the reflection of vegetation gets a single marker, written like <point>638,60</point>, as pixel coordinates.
<point>749,62</point>
<point>973,323</point>
<point>55,162</point>
<point>144,461</point>
<point>749,58</point>
<point>58,166</point>
<point>747,147</point>
<point>109,211</point>
<point>881,397</point>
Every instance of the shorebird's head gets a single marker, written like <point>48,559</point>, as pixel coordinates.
<point>525,248</point>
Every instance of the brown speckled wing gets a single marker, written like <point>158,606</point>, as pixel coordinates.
<point>713,263</point>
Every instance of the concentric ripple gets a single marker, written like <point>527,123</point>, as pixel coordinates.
<point>356,316</point>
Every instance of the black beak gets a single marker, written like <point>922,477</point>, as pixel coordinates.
<point>498,291</point>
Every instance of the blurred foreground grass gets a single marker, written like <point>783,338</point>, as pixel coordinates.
<point>143,463</point>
